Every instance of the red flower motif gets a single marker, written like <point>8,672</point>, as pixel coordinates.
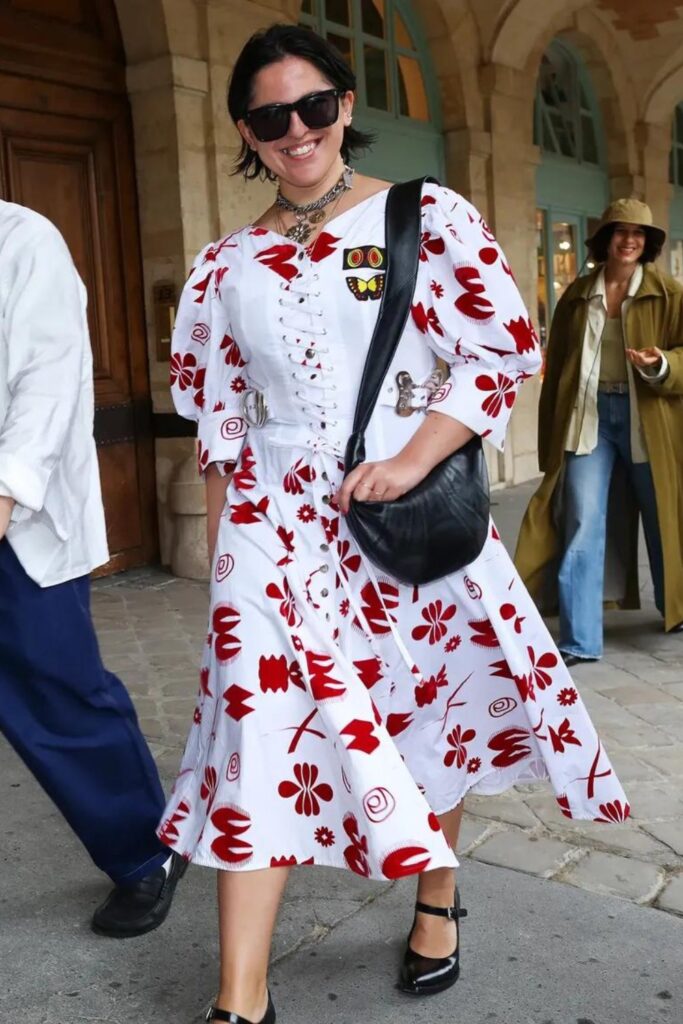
<point>435,616</point>
<point>246,512</point>
<point>542,678</point>
<point>198,385</point>
<point>344,607</point>
<point>564,735</point>
<point>398,722</point>
<point>209,785</point>
<point>307,790</point>
<point>426,692</point>
<point>473,303</point>
<point>277,258</point>
<point>430,243</point>
<point>183,369</point>
<point>426,319</point>
<point>523,334</point>
<point>225,620</point>
<point>287,538</point>
<point>324,836</point>
<point>437,289</point>
<point>288,609</point>
<point>503,391</point>
<point>238,385</point>
<point>376,606</point>
<point>614,812</point>
<point>323,684</point>
<point>525,686</point>
<point>457,740</point>
<point>511,744</point>
<point>484,634</point>
<point>204,682</point>
<point>197,716</point>
<point>347,562</point>
<point>473,765</point>
<point>307,514</point>
<point>299,471</point>
<point>233,356</point>
<point>508,611</point>
<point>567,697</point>
<point>322,247</point>
<point>356,854</point>
<point>201,287</point>
<point>563,802</point>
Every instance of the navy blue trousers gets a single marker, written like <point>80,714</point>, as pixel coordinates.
<point>73,723</point>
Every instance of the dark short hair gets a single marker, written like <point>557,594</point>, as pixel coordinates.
<point>598,246</point>
<point>270,46</point>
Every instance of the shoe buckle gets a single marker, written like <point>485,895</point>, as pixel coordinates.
<point>452,913</point>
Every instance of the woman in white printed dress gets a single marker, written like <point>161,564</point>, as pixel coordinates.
<point>342,716</point>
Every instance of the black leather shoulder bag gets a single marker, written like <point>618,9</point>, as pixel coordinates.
<point>441,525</point>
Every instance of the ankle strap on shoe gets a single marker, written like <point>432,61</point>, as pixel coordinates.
<point>450,912</point>
<point>215,1013</point>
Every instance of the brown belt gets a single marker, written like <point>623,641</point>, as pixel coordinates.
<point>613,387</point>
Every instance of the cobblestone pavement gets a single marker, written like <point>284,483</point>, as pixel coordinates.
<point>151,626</point>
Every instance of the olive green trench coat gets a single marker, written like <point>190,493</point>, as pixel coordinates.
<point>655,317</point>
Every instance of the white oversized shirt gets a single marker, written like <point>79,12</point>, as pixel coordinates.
<point>48,462</point>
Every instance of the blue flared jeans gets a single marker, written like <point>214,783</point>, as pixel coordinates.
<point>586,492</point>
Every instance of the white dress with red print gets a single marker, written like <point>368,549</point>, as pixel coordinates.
<point>339,712</point>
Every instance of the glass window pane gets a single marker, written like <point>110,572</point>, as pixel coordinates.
<point>564,256</point>
<point>344,45</point>
<point>542,265</point>
<point>309,7</point>
<point>401,33</point>
<point>376,85</point>
<point>411,89</point>
<point>590,143</point>
<point>562,130</point>
<point>338,11</point>
<point>372,17</point>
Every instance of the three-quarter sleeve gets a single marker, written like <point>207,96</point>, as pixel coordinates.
<point>207,366</point>
<point>469,311</point>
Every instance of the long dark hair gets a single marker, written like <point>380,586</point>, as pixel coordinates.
<point>272,45</point>
<point>598,246</point>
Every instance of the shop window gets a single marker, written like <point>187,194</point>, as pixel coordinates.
<point>565,108</point>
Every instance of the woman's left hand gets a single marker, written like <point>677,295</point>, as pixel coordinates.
<point>380,481</point>
<point>647,358</point>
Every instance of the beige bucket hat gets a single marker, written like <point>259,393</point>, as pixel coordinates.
<point>629,211</point>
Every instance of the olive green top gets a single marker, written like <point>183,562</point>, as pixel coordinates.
<point>612,355</point>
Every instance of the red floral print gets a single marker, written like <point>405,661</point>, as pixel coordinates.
<point>233,356</point>
<point>426,319</point>
<point>433,244</point>
<point>183,368</point>
<point>436,617</point>
<point>376,607</point>
<point>288,609</point>
<point>169,829</point>
<point>542,678</point>
<point>273,673</point>
<point>564,735</point>
<point>230,846</point>
<point>238,385</point>
<point>246,512</point>
<point>323,684</point>
<point>503,393</point>
<point>298,475</point>
<point>523,334</point>
<point>457,739</point>
<point>474,302</point>
<point>437,289</point>
<point>483,635</point>
<point>236,698</point>
<point>225,621</point>
<point>473,765</point>
<point>209,785</point>
<point>426,692</point>
<point>452,644</point>
<point>511,745</point>
<point>244,478</point>
<point>356,853</point>
<point>616,811</point>
<point>277,258</point>
<point>307,790</point>
<point>306,514</point>
<point>324,836</point>
<point>567,696</point>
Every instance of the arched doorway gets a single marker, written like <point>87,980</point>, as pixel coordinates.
<point>676,207</point>
<point>66,151</point>
<point>572,185</point>
<point>397,93</point>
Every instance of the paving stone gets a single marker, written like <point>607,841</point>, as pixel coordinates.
<point>667,719</point>
<point>639,693</point>
<point>472,831</point>
<point>507,807</point>
<point>653,802</point>
<point>632,768</point>
<point>668,760</point>
<point>671,897</point>
<point>609,874</point>
<point>632,737</point>
<point>522,852</point>
<point>669,832</point>
<point>675,688</point>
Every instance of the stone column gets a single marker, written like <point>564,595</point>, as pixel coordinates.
<point>509,96</point>
<point>653,142</point>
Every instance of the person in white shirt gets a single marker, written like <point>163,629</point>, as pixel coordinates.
<point>68,718</point>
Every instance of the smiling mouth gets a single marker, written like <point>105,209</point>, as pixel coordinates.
<point>301,149</point>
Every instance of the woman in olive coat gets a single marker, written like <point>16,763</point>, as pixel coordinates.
<point>610,439</point>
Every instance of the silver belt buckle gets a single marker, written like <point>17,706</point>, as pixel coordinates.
<point>407,386</point>
<point>254,408</point>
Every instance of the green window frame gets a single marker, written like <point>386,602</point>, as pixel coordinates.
<point>384,44</point>
<point>567,121</point>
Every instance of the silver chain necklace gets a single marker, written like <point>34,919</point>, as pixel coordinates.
<point>309,215</point>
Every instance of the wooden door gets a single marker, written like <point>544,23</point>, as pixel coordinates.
<point>66,151</point>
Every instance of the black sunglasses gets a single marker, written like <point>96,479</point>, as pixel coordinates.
<point>316,110</point>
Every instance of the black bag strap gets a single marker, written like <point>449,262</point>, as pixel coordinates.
<point>403,229</point>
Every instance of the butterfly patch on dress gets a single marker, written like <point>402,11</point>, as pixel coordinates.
<point>364,289</point>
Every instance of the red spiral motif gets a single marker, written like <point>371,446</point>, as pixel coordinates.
<point>224,566</point>
<point>233,772</point>
<point>502,706</point>
<point>379,804</point>
<point>233,428</point>
<point>201,333</point>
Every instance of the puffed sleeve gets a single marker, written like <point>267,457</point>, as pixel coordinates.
<point>469,311</point>
<point>207,367</point>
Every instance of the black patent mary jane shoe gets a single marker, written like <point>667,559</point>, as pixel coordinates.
<point>215,1013</point>
<point>426,975</point>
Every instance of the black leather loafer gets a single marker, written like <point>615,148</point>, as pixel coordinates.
<point>426,975</point>
<point>131,910</point>
<point>215,1013</point>
<point>574,659</point>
